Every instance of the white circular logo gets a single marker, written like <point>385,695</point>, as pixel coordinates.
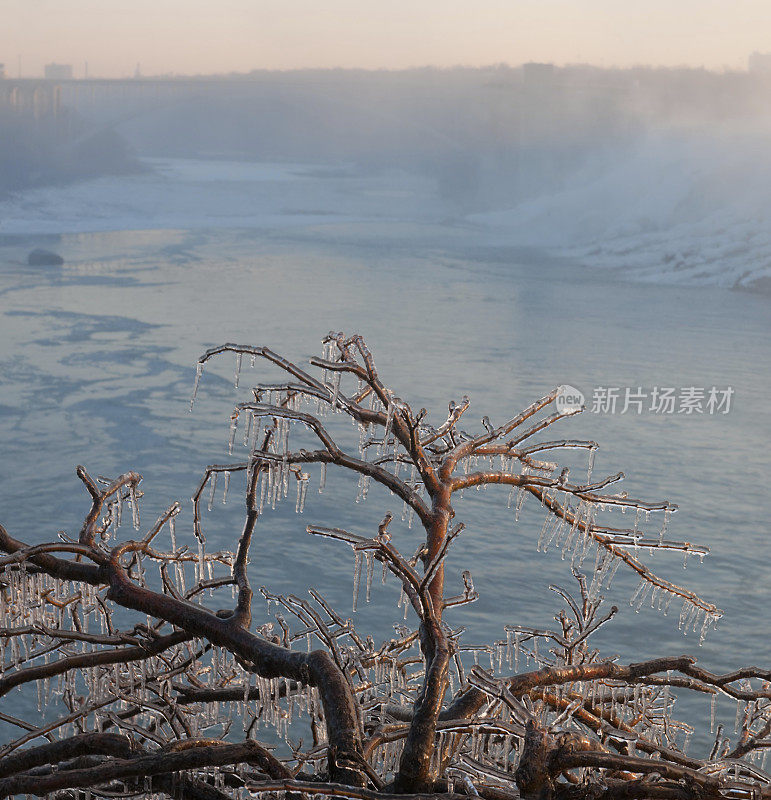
<point>569,400</point>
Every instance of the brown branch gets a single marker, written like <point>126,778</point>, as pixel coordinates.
<point>53,566</point>
<point>465,449</point>
<point>88,743</point>
<point>121,655</point>
<point>98,496</point>
<point>338,790</point>
<point>368,468</point>
<point>468,703</point>
<point>565,759</point>
<point>269,660</point>
<point>415,765</point>
<point>121,769</point>
<point>315,669</point>
<point>243,612</point>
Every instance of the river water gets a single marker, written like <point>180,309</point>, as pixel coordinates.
<point>97,368</point>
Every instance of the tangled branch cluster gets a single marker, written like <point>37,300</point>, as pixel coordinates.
<point>166,680</point>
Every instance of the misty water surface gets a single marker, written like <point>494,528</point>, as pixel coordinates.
<point>97,368</point>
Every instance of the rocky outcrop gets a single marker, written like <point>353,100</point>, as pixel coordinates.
<point>44,258</point>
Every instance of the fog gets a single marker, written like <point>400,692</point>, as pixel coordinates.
<point>598,162</point>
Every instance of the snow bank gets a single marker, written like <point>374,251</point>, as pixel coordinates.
<point>687,210</point>
<point>197,193</point>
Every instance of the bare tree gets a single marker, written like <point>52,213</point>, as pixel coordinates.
<point>163,695</point>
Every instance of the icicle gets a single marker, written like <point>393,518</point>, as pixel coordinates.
<point>655,595</point>
<point>370,568</point>
<point>697,618</point>
<point>611,572</point>
<point>356,577</point>
<point>708,619</point>
<point>664,525</point>
<point>637,591</point>
<point>590,465</point>
<point>255,433</point>
<point>304,491</point>
<point>510,498</point>
<point>542,536</point>
<point>198,372</point>
<point>569,539</point>
<point>712,712</point>
<point>683,612</point>
<point>520,502</point>
<point>641,597</point>
<point>322,477</point>
<point>233,426</point>
<point>226,486</point>
<point>389,420</point>
<point>274,472</point>
<point>250,419</point>
<point>134,506</point>
<point>692,612</point>
<point>264,479</point>
<point>212,489</point>
<point>238,370</point>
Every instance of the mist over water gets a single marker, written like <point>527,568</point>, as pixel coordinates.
<point>489,232</point>
<point>662,174</point>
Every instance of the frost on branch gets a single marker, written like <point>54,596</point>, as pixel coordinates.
<point>156,675</point>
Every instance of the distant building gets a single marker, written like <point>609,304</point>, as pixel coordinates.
<point>2,71</point>
<point>58,72</point>
<point>759,62</point>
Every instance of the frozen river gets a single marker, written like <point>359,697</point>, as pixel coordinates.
<point>97,358</point>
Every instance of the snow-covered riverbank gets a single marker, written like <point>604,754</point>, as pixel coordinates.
<point>669,213</point>
<point>674,212</point>
<point>194,194</point>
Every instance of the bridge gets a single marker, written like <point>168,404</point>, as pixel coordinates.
<point>44,97</point>
<point>38,97</point>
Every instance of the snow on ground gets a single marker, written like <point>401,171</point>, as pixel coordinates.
<point>675,209</point>
<point>191,194</point>
<point>679,211</point>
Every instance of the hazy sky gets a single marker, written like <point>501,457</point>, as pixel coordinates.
<point>189,36</point>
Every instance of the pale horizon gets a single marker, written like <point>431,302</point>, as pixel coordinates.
<point>197,37</point>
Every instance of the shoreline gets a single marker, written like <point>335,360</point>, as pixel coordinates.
<point>391,208</point>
